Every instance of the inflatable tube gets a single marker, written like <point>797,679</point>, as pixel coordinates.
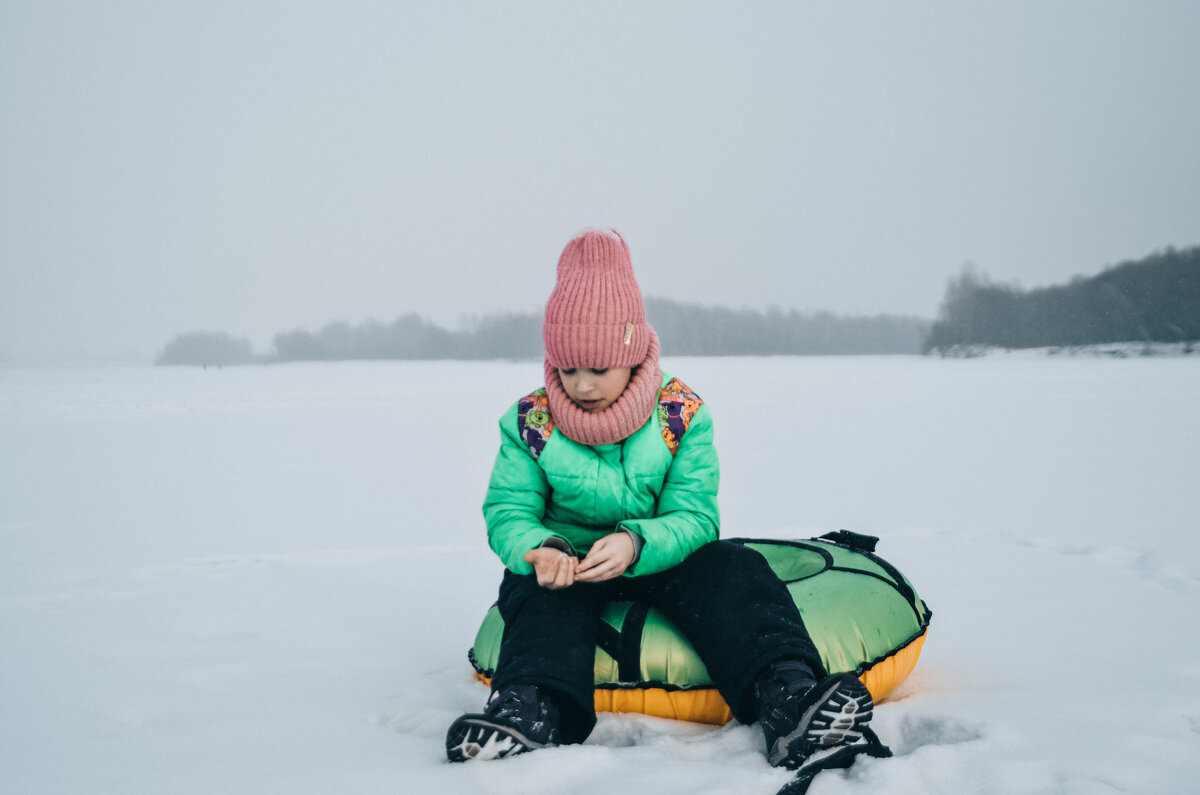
<point>862,613</point>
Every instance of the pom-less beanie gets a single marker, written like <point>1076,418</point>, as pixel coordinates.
<point>595,316</point>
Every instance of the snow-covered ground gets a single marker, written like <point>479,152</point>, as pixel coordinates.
<point>1109,350</point>
<point>265,579</point>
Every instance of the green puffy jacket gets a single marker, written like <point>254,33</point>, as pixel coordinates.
<point>580,493</point>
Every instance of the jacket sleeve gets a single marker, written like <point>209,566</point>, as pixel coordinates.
<point>687,517</point>
<point>515,504</point>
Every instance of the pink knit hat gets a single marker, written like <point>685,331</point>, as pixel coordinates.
<point>595,316</point>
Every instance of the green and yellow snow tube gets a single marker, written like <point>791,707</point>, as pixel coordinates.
<point>862,613</point>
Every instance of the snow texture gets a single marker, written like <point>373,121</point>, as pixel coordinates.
<point>265,579</point>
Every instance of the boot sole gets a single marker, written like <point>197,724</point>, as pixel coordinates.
<point>838,715</point>
<point>479,737</point>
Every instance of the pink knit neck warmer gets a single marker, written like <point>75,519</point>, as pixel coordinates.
<point>620,420</point>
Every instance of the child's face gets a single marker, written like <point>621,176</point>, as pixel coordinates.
<point>594,390</point>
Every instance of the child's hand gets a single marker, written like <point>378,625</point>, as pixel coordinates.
<point>554,568</point>
<point>608,558</point>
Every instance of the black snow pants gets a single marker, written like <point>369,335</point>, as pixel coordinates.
<point>724,598</point>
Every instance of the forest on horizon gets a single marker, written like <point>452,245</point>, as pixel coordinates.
<point>683,329</point>
<point>1155,299</point>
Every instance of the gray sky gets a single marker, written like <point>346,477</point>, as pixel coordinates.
<point>255,167</point>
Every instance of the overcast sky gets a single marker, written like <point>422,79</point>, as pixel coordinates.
<point>255,167</point>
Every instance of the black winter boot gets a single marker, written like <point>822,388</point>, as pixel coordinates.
<point>800,716</point>
<point>516,719</point>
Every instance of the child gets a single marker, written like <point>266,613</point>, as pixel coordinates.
<point>605,488</point>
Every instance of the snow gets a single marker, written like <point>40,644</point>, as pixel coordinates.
<point>265,579</point>
<point>1113,350</point>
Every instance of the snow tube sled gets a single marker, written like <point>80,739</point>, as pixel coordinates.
<point>862,613</point>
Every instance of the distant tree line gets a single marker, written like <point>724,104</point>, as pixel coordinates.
<point>1155,299</point>
<point>684,330</point>
<point>690,330</point>
<point>512,336</point>
<point>205,348</point>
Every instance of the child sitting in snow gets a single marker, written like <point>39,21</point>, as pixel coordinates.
<point>592,499</point>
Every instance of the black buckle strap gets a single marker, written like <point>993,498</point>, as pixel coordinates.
<point>841,758</point>
<point>629,656</point>
<point>857,542</point>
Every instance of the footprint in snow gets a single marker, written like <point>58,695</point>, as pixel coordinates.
<point>1152,567</point>
<point>918,731</point>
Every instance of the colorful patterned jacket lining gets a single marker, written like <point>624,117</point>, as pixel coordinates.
<point>677,404</point>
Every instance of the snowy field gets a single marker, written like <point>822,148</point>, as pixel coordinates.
<point>265,579</point>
